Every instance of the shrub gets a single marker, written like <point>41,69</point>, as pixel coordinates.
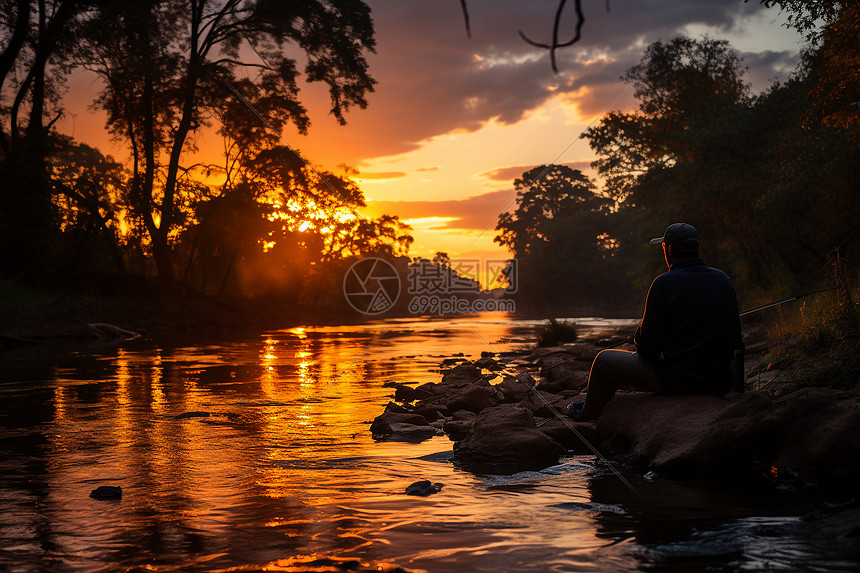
<point>556,332</point>
<point>818,346</point>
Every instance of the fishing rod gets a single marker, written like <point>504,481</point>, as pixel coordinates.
<point>629,339</point>
<point>785,300</point>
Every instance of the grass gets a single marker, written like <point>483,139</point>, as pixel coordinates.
<point>556,332</point>
<point>818,345</point>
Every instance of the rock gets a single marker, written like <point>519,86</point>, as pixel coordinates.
<point>659,427</point>
<point>465,373</point>
<point>393,408</point>
<point>489,364</point>
<point>550,361</point>
<point>106,492</point>
<point>614,341</point>
<point>590,353</point>
<point>574,436</point>
<point>465,415</point>
<point>404,393</point>
<point>539,403</point>
<point>538,353</point>
<point>405,432</point>
<point>514,389</point>
<point>487,354</point>
<point>505,437</point>
<point>195,414</point>
<point>564,377</point>
<point>814,431</point>
<point>455,395</point>
<point>475,398</point>
<point>458,429</point>
<point>423,488</point>
<point>394,419</point>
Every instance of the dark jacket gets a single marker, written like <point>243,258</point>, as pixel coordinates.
<point>691,328</point>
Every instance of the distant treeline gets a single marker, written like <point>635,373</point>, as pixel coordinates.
<point>770,180</point>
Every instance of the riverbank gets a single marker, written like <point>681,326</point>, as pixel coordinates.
<point>504,413</point>
<point>123,309</point>
<point>32,315</point>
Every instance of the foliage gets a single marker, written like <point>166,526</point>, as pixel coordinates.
<point>91,204</point>
<point>171,66</point>
<point>817,346</point>
<point>556,332</point>
<point>35,42</point>
<point>559,234</point>
<point>807,16</point>
<point>769,187</point>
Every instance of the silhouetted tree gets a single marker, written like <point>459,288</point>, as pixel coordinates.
<point>89,191</point>
<point>562,237</point>
<point>169,66</point>
<point>35,43</point>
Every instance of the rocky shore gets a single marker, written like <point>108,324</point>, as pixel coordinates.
<point>505,413</point>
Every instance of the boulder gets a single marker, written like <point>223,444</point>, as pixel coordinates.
<point>474,396</point>
<point>107,492</point>
<point>554,360</point>
<point>564,377</point>
<point>505,439</point>
<point>542,404</point>
<point>515,389</point>
<point>574,350</point>
<point>489,364</point>
<point>814,432</point>
<point>397,419</point>
<point>423,488</point>
<point>404,432</point>
<point>404,393</point>
<point>660,428</point>
<point>460,425</point>
<point>574,436</point>
<point>465,373</point>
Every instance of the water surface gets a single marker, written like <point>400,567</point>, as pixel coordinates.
<point>283,474</point>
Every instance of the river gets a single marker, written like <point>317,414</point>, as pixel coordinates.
<point>283,475</point>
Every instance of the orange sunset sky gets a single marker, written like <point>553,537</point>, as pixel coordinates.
<point>454,120</point>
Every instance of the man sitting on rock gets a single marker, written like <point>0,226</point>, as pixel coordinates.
<point>686,339</point>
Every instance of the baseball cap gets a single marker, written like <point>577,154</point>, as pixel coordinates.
<point>681,235</point>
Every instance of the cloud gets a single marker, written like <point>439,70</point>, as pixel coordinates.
<point>508,174</point>
<point>474,213</point>
<point>434,80</point>
<point>380,175</point>
<point>765,67</point>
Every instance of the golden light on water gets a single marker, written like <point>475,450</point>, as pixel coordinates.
<point>280,453</point>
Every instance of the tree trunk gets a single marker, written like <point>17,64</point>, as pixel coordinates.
<point>163,260</point>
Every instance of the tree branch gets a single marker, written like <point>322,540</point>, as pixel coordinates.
<point>466,18</point>
<point>239,63</point>
<point>580,20</point>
